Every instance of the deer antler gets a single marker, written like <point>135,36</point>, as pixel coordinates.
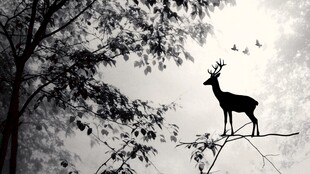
<point>219,64</point>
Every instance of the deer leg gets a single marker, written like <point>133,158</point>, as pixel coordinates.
<point>254,121</point>
<point>225,121</point>
<point>231,122</point>
<point>257,131</point>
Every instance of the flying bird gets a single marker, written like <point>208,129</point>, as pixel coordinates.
<point>234,48</point>
<point>246,51</point>
<point>258,44</point>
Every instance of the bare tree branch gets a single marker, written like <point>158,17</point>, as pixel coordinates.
<point>218,153</point>
<point>71,20</point>
<point>239,136</point>
<point>40,88</point>
<point>263,156</point>
<point>231,138</point>
<point>6,34</point>
<point>31,23</point>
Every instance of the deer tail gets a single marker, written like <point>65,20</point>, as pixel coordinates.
<point>256,102</point>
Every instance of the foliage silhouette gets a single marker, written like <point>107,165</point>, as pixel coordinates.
<point>49,65</point>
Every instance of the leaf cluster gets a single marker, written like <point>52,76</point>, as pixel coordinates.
<point>200,145</point>
<point>53,42</point>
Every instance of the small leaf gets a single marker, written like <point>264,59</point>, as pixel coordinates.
<point>179,61</point>
<point>143,131</point>
<point>145,58</point>
<point>133,155</point>
<point>104,132</point>
<point>136,64</point>
<point>159,126</point>
<point>136,133</point>
<point>175,133</point>
<point>147,70</point>
<point>122,154</point>
<point>72,118</point>
<point>64,164</point>
<point>126,57</point>
<point>143,43</point>
<point>81,126</point>
<point>146,159</point>
<point>213,151</point>
<point>140,158</point>
<point>161,66</point>
<point>173,138</point>
<point>188,56</point>
<point>201,14</point>
<point>136,1</point>
<point>78,123</point>
<point>201,166</point>
<point>80,114</point>
<point>151,134</point>
<point>89,131</point>
<point>113,156</point>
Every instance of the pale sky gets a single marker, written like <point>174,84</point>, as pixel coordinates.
<point>200,113</point>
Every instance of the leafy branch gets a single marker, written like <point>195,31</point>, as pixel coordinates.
<point>204,142</point>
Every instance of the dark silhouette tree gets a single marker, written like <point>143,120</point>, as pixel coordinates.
<point>49,64</point>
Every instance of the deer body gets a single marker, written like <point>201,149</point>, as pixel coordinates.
<point>231,102</point>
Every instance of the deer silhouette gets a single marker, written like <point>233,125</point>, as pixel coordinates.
<point>231,102</point>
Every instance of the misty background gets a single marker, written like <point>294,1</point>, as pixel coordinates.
<point>276,75</point>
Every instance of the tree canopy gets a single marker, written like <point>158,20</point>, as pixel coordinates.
<point>50,53</point>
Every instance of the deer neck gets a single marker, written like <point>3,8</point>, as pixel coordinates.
<point>217,90</point>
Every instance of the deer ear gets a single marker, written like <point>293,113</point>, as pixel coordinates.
<point>217,75</point>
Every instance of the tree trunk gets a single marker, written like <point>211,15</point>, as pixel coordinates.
<point>14,148</point>
<point>5,142</point>
<point>13,116</point>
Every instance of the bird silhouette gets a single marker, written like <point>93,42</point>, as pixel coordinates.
<point>258,44</point>
<point>246,51</point>
<point>234,48</point>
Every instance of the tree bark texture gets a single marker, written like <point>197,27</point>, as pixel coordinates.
<point>11,125</point>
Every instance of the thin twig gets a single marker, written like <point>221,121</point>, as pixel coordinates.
<point>218,153</point>
<point>226,137</point>
<point>71,20</point>
<point>155,167</point>
<point>105,163</point>
<point>264,156</point>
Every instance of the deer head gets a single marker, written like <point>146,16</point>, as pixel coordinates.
<point>215,74</point>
